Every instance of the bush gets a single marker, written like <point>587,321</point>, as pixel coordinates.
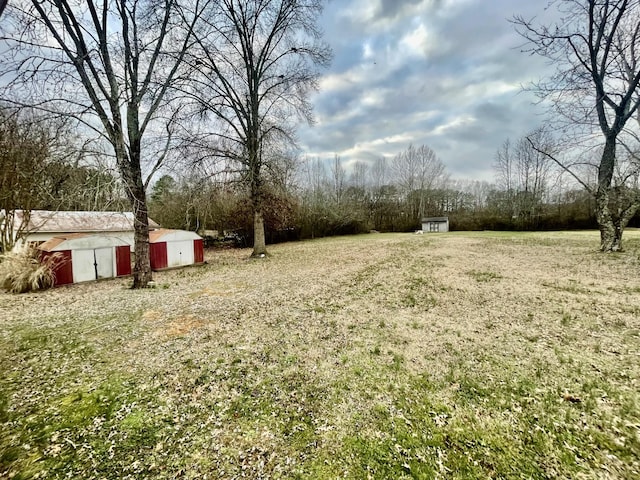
<point>22,271</point>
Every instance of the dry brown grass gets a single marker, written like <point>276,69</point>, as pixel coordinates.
<point>446,356</point>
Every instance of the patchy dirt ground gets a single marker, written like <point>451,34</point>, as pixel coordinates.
<point>461,355</point>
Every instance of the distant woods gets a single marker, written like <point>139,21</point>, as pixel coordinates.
<point>44,165</point>
<point>106,102</point>
<point>322,197</point>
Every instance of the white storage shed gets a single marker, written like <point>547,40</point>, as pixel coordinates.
<point>83,257</point>
<point>435,224</point>
<point>174,248</point>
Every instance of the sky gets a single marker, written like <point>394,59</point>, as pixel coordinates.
<point>443,73</point>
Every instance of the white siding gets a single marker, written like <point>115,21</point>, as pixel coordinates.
<point>105,258</point>
<point>85,262</point>
<point>180,253</point>
<point>435,226</point>
<point>82,265</point>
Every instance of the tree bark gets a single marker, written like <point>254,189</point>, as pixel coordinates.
<point>259,243</point>
<point>615,207</point>
<point>608,223</point>
<point>142,264</point>
<point>131,173</point>
<point>138,198</point>
<point>610,227</point>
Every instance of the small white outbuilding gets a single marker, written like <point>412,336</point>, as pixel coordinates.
<point>174,248</point>
<point>82,257</point>
<point>435,224</point>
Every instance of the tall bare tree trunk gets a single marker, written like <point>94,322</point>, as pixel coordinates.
<point>610,227</point>
<point>142,264</point>
<point>259,240</point>
<point>131,173</point>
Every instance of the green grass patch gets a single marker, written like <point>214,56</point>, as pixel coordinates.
<point>484,276</point>
<point>484,430</point>
<point>358,357</point>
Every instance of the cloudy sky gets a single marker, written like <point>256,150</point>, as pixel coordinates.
<point>444,73</point>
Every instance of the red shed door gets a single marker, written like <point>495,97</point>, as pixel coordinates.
<point>158,254</point>
<point>123,261</point>
<point>63,269</point>
<point>198,251</point>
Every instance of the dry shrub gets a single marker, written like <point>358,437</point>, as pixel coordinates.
<point>23,271</point>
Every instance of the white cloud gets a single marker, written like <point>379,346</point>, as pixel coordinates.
<point>445,73</point>
<point>454,124</point>
<point>488,90</point>
<point>420,42</point>
<point>367,51</point>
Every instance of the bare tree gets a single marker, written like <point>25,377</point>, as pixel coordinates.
<point>338,180</point>
<point>315,195</point>
<point>533,167</point>
<point>504,166</point>
<point>596,48</point>
<point>314,178</point>
<point>379,173</point>
<point>522,173</point>
<point>418,171</point>
<point>359,174</point>
<point>110,61</point>
<point>256,64</point>
<point>24,152</point>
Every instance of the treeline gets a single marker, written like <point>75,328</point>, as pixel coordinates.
<point>43,167</point>
<point>316,198</point>
<point>318,211</point>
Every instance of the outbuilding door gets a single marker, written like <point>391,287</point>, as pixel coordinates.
<point>63,269</point>
<point>92,264</point>
<point>180,253</point>
<point>123,260</point>
<point>104,260</point>
<point>158,254</point>
<point>198,251</point>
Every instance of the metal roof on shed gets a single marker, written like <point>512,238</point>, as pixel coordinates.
<point>80,241</point>
<point>167,235</point>
<point>49,221</point>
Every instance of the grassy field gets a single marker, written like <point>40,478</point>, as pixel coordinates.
<point>462,355</point>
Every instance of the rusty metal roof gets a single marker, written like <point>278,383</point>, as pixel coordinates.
<point>67,222</point>
<point>163,235</point>
<point>51,244</point>
<point>81,241</point>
